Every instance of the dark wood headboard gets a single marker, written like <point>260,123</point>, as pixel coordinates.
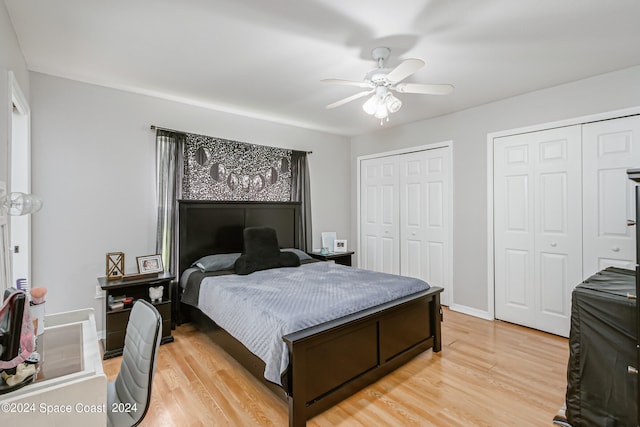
<point>207,228</point>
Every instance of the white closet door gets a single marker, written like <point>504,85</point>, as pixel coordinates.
<point>609,148</point>
<point>558,219</point>
<point>424,215</point>
<point>514,165</point>
<point>379,210</point>
<point>538,227</point>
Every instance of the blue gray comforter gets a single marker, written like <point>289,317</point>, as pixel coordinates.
<point>260,308</point>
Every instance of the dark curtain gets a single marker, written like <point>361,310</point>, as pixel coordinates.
<point>300,192</point>
<point>169,149</point>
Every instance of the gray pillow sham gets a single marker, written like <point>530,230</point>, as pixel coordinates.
<point>216,262</point>
<point>301,254</point>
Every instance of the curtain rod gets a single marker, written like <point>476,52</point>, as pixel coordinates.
<point>154,127</point>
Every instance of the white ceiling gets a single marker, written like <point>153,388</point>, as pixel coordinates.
<point>265,58</point>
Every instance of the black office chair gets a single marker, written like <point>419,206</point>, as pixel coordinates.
<point>130,392</point>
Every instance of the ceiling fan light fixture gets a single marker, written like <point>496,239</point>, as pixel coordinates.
<point>371,105</point>
<point>393,104</point>
<point>381,111</point>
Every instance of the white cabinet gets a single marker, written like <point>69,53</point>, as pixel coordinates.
<point>405,216</point>
<point>561,204</point>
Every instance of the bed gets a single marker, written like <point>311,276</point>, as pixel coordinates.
<point>329,361</point>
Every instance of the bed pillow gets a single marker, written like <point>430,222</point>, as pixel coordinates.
<point>261,252</point>
<point>216,262</point>
<point>302,255</point>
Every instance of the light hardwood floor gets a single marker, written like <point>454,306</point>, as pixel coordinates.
<point>488,374</point>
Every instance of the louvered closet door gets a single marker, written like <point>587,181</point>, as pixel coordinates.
<point>538,227</point>
<point>424,213</point>
<point>379,215</point>
<point>609,148</point>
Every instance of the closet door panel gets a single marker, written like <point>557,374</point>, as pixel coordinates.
<point>558,220</point>
<point>514,230</point>
<point>438,242</point>
<point>424,183</point>
<point>413,206</point>
<point>609,148</point>
<point>379,215</point>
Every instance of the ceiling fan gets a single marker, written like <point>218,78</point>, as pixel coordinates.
<point>382,81</point>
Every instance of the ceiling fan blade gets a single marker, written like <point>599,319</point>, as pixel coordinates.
<point>405,69</point>
<point>427,89</point>
<point>347,82</point>
<point>349,99</point>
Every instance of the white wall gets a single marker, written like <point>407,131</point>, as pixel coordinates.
<point>468,130</point>
<point>93,161</point>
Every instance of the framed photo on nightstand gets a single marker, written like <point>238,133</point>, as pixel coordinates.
<point>150,264</point>
<point>339,246</point>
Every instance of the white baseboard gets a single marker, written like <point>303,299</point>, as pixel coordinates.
<point>471,311</point>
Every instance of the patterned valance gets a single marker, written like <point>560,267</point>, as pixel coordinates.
<point>220,169</point>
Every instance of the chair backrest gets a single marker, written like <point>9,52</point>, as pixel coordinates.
<point>141,343</point>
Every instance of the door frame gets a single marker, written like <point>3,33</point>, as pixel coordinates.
<point>22,106</point>
<point>448,200</point>
<point>615,114</point>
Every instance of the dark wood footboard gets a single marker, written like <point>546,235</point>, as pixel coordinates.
<point>331,361</point>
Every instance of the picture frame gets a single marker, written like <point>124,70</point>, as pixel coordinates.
<point>340,246</point>
<point>115,265</point>
<point>328,237</point>
<point>150,264</point>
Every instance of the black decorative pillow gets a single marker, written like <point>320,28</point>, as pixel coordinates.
<point>261,252</point>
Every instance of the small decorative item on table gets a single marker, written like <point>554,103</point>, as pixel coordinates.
<point>115,265</point>
<point>155,293</point>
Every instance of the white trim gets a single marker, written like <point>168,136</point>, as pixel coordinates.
<point>471,311</point>
<point>533,128</point>
<point>433,146</point>
<point>405,151</point>
<point>24,111</point>
<point>17,95</point>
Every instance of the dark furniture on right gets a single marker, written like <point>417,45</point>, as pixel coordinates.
<point>602,345</point>
<point>338,258</point>
<point>634,175</point>
<point>604,349</point>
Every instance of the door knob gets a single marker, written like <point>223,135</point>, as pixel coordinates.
<point>630,222</point>
<point>615,249</point>
<point>413,233</point>
<point>554,244</point>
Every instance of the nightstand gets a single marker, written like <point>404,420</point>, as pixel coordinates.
<point>116,320</point>
<point>343,258</point>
